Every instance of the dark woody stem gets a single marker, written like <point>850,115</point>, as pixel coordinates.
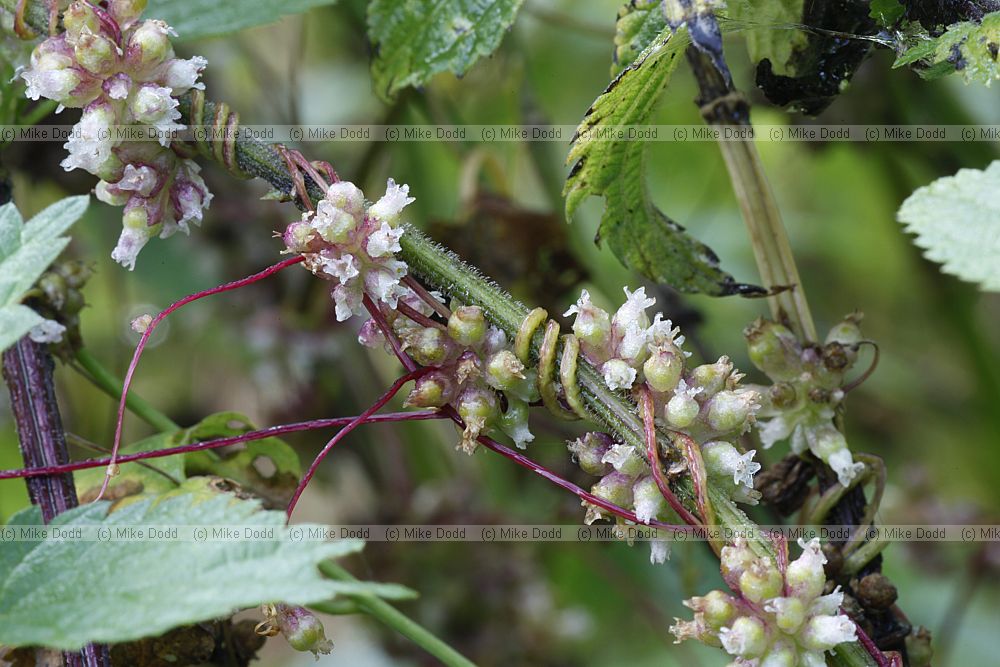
<point>27,370</point>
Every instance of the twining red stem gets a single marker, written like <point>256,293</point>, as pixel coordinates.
<point>653,453</point>
<point>354,423</point>
<point>270,432</point>
<point>870,647</point>
<point>236,284</point>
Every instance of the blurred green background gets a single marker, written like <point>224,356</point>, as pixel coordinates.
<point>275,352</point>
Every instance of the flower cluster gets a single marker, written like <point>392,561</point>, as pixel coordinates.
<point>776,618</point>
<point>123,73</point>
<point>706,402</point>
<point>474,369</point>
<point>807,390</point>
<point>353,244</point>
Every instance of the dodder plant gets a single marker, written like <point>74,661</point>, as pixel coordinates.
<point>669,447</point>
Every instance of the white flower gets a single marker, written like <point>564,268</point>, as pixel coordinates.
<point>155,106</point>
<point>333,223</point>
<point>141,180</point>
<point>90,145</point>
<point>342,268</point>
<point>382,282</point>
<point>118,86</point>
<point>395,199</point>
<point>845,467</point>
<point>190,194</point>
<point>632,347</point>
<point>659,552</point>
<point>47,331</point>
<point>348,300</point>
<point>182,75</point>
<point>384,240</point>
<point>582,304</point>
<point>722,458</point>
<point>130,242</point>
<point>624,459</point>
<point>592,326</point>
<point>618,374</point>
<point>634,309</point>
<point>345,196</point>
<point>822,633</point>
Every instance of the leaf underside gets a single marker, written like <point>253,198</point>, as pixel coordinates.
<point>956,220</point>
<point>65,593</point>
<point>638,233</point>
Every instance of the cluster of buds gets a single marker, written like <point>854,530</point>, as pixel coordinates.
<point>123,73</point>
<point>774,618</point>
<point>705,402</point>
<point>300,627</point>
<point>474,366</point>
<point>347,241</point>
<point>807,389</point>
<point>354,244</point>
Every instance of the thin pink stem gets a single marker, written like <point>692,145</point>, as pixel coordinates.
<point>354,423</point>
<point>380,321</point>
<point>236,284</point>
<point>270,432</point>
<point>653,453</point>
<point>427,297</point>
<point>871,648</point>
<point>418,317</point>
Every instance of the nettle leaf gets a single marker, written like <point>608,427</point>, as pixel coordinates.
<point>65,593</point>
<point>610,163</point>
<point>778,45</point>
<point>416,39</point>
<point>970,48</point>
<point>193,19</point>
<point>639,23</point>
<point>26,251</point>
<point>957,221</point>
<point>269,468</point>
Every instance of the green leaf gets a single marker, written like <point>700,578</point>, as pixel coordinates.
<point>781,44</point>
<point>268,468</point>
<point>26,251</point>
<point>638,24</point>
<point>957,221</point>
<point>65,593</point>
<point>416,39</point>
<point>193,19</point>
<point>610,164</point>
<point>15,321</point>
<point>973,49</point>
<point>886,12</point>
<point>133,480</point>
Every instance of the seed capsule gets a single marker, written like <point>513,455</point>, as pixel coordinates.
<point>467,325</point>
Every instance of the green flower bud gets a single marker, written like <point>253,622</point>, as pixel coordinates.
<point>918,647</point>
<point>78,19</point>
<point>589,450</point>
<point>648,502</point>
<point>478,408</point>
<point>626,459</point>
<point>427,345</point>
<point>126,12</point>
<point>149,45</point>
<point>789,613</point>
<point>730,411</point>
<point>55,289</point>
<point>773,349</point>
<point>716,608</point>
<point>467,326</point>
<point>433,390</point>
<point>846,332</point>
<point>663,368</point>
<point>514,422</point>
<point>302,629</point>
<point>761,581</point>
<point>503,370</point>
<point>781,395</point>
<point>682,410</point>
<point>747,638</point>
<point>734,560</point>
<point>781,654</point>
<point>711,378</point>
<point>615,488</point>
<point>805,576</point>
<point>95,53</point>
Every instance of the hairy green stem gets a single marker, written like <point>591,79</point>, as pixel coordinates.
<point>384,612</point>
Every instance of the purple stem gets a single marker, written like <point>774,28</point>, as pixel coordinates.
<point>270,432</point>
<point>870,647</point>
<point>27,369</point>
